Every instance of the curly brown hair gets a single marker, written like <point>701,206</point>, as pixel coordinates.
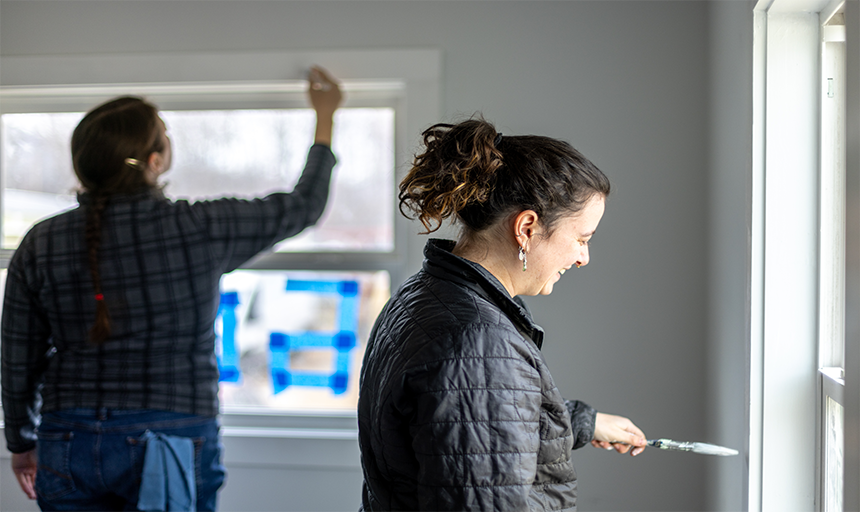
<point>471,173</point>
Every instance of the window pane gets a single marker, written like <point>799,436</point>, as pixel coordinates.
<point>37,166</point>
<point>253,152</point>
<point>295,340</point>
<point>832,213</point>
<point>833,457</point>
<point>235,152</point>
<point>264,306</point>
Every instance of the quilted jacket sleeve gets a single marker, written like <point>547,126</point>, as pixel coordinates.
<point>476,423</point>
<point>582,417</point>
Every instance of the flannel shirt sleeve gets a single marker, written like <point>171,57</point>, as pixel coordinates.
<point>25,346</point>
<point>240,229</point>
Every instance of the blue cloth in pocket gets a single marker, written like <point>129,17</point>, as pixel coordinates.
<point>168,480</point>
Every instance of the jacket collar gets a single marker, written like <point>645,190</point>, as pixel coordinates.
<point>440,262</point>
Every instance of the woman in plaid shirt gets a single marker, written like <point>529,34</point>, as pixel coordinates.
<point>109,312</point>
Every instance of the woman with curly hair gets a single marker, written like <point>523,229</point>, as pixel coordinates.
<point>457,408</point>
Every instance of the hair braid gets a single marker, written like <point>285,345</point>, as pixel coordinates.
<point>100,330</point>
<point>123,128</point>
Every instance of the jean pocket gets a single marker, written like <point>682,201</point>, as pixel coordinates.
<point>54,477</point>
<point>136,452</point>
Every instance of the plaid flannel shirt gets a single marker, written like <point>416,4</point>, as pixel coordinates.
<point>160,262</point>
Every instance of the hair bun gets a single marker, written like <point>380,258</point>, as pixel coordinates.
<point>463,173</point>
<point>457,169</point>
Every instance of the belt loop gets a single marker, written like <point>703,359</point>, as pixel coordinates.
<point>102,413</point>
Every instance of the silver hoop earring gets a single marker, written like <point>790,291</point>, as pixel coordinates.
<point>522,257</point>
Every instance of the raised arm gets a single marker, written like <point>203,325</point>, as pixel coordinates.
<point>239,229</point>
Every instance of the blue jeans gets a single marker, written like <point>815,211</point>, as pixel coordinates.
<point>92,459</point>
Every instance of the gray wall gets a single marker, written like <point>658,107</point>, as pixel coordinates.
<point>640,88</point>
<point>729,194</point>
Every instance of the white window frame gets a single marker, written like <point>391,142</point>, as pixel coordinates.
<point>831,298</point>
<point>407,80</point>
<point>851,478</point>
<point>786,386</point>
<point>287,94</point>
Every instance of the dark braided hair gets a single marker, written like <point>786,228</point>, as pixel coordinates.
<point>102,144</point>
<point>101,327</point>
<point>472,173</point>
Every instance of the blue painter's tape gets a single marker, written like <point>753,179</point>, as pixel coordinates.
<point>228,374</point>
<point>347,288</point>
<point>280,379</point>
<point>279,341</point>
<point>342,361</point>
<point>348,314</point>
<point>302,340</point>
<point>230,299</point>
<point>279,354</point>
<point>228,362</point>
<point>310,379</point>
<point>339,382</point>
<point>344,340</point>
<point>300,285</point>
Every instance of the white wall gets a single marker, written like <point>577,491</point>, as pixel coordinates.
<point>628,83</point>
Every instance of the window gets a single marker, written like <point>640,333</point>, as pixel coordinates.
<point>831,306</point>
<point>376,85</point>
<point>37,170</point>
<point>292,340</point>
<point>800,356</point>
<point>247,152</point>
<point>318,442</point>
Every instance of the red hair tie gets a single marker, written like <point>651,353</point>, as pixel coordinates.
<point>100,297</point>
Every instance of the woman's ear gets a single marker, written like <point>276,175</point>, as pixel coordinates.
<point>155,163</point>
<point>526,225</point>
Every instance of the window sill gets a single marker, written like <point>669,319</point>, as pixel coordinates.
<point>833,383</point>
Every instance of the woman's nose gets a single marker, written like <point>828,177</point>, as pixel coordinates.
<point>584,257</point>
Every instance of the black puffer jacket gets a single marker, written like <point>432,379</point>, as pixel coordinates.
<point>457,409</point>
